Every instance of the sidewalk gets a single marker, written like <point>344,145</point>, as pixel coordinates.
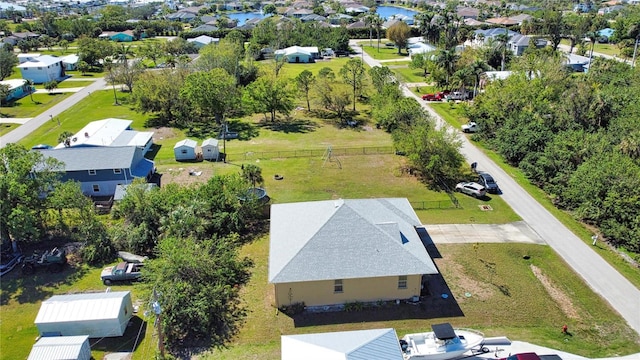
<point>14,120</point>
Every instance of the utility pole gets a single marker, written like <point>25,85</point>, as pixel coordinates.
<point>158,311</point>
<point>635,52</point>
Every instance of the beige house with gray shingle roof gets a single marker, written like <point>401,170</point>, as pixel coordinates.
<point>339,251</point>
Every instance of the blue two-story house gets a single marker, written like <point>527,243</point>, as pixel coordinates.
<point>99,170</point>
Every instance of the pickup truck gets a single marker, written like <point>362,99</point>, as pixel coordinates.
<point>471,127</point>
<point>124,271</point>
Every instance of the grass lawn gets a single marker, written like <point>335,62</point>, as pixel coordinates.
<point>453,114</point>
<point>25,108</point>
<point>409,75</point>
<point>499,303</point>
<point>21,297</point>
<point>385,52</point>
<point>5,128</point>
<point>607,49</point>
<point>68,84</point>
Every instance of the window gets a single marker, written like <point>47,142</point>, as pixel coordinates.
<point>96,188</point>
<point>402,282</point>
<point>39,68</point>
<point>337,286</point>
<point>92,172</point>
<point>117,171</point>
<point>183,151</point>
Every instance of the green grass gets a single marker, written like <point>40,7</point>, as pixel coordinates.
<point>501,304</point>
<point>607,49</point>
<point>452,113</point>
<point>6,128</point>
<point>69,84</point>
<point>25,108</point>
<point>385,52</point>
<point>409,75</point>
<point>99,105</point>
<point>21,298</point>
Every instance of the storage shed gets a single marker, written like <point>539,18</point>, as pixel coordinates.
<point>61,348</point>
<point>185,150</point>
<point>104,314</point>
<point>210,149</point>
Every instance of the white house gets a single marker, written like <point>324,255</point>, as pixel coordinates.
<point>203,40</point>
<point>343,345</point>
<point>298,54</point>
<point>42,69</point>
<point>104,314</point>
<point>110,132</point>
<point>61,347</point>
<point>210,149</point>
<point>70,61</point>
<point>185,150</point>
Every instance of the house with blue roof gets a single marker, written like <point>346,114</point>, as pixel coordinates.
<point>99,170</point>
<point>328,253</point>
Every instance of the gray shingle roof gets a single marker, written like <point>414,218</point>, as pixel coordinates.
<point>345,239</point>
<point>93,158</point>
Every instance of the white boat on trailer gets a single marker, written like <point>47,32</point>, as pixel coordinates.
<point>443,343</point>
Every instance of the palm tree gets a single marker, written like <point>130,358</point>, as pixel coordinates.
<point>29,84</point>
<point>502,40</point>
<point>476,69</point>
<point>109,65</point>
<point>368,21</point>
<point>377,22</point>
<point>447,59</point>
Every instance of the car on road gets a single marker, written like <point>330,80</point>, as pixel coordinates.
<point>432,97</point>
<point>471,188</point>
<point>471,127</point>
<point>123,272</point>
<point>485,179</point>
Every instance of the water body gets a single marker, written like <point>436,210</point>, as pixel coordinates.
<point>242,17</point>
<point>386,12</point>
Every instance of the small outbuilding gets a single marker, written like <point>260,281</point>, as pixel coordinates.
<point>104,314</point>
<point>210,149</point>
<point>61,348</point>
<point>185,150</point>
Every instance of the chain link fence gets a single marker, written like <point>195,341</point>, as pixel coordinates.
<point>346,151</point>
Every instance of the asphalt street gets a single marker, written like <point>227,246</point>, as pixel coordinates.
<point>623,296</point>
<point>27,128</point>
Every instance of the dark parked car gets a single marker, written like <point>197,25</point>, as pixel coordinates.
<point>488,182</point>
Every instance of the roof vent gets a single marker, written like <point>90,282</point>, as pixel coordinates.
<point>338,203</point>
<point>86,134</point>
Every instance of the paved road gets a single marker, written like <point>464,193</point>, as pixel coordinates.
<point>623,296</point>
<point>27,128</point>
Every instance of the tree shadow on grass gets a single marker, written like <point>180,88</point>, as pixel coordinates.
<point>299,126</point>
<point>38,286</point>
<point>245,131</point>
<point>128,342</point>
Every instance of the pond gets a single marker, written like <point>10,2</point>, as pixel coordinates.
<point>242,17</point>
<point>386,12</point>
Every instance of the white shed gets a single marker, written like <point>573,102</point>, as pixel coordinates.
<point>210,149</point>
<point>61,348</point>
<point>185,150</point>
<point>104,314</point>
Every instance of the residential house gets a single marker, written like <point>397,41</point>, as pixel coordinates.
<point>42,69</point>
<point>325,253</point>
<point>468,13</point>
<point>233,6</point>
<point>518,44</point>
<point>100,169</point>
<point>298,54</point>
<point>118,36</point>
<point>203,40</point>
<point>298,13</point>
<point>577,63</point>
<point>312,18</point>
<point>519,19</point>
<point>343,345</point>
<point>186,14</point>
<point>339,19</point>
<point>473,22</point>
<point>583,7</point>
<point>70,61</point>
<point>16,37</point>
<point>420,48</point>
<point>389,23</point>
<point>358,25</point>
<point>110,132</point>
<point>356,10</point>
<point>504,21</point>
<point>205,28</point>
<point>609,9</point>
<point>18,88</point>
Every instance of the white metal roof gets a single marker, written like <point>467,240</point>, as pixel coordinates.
<point>79,307</point>
<point>40,61</point>
<point>13,83</point>
<point>210,142</point>
<point>70,59</point>
<point>61,348</point>
<point>186,142</point>
<point>376,344</point>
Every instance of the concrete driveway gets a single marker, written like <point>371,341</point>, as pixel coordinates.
<point>516,232</point>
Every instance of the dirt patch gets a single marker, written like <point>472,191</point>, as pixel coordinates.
<point>188,174</point>
<point>463,284</point>
<point>162,133</point>
<point>562,299</point>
